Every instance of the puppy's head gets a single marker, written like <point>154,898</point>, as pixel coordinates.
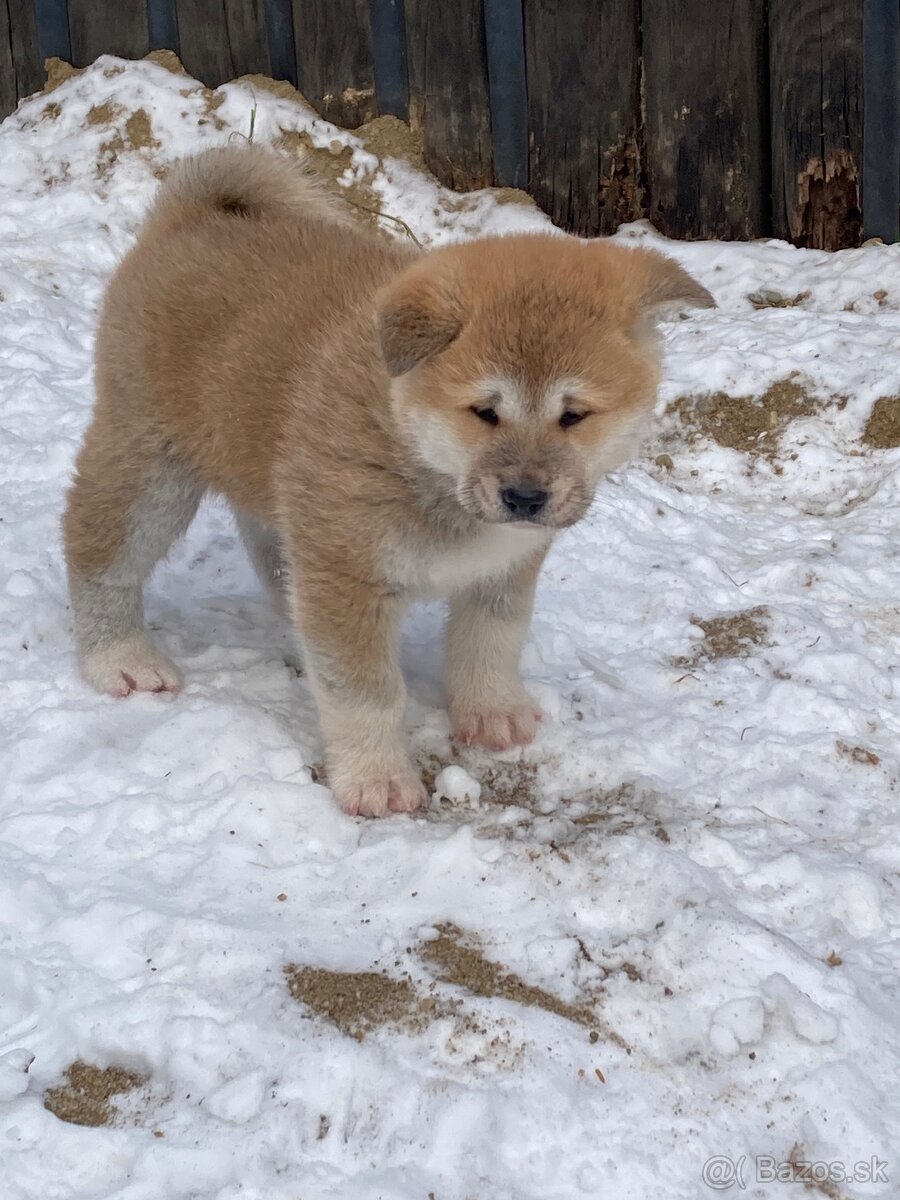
<point>522,367</point>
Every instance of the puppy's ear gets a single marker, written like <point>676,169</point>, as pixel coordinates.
<point>663,285</point>
<point>646,284</point>
<point>419,315</point>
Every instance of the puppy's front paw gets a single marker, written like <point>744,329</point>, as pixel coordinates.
<point>132,665</point>
<point>497,728</point>
<point>381,794</point>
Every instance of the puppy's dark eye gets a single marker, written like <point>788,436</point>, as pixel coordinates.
<point>571,418</point>
<point>489,415</point>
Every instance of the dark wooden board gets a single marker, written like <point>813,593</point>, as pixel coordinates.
<point>583,112</point>
<point>162,24</point>
<point>335,70</point>
<point>52,18</point>
<point>707,117</point>
<point>221,39</point>
<point>97,28</point>
<point>816,83</point>
<point>448,87</point>
<point>21,72</point>
<point>881,120</point>
<point>504,35</point>
<point>388,23</point>
<point>280,39</point>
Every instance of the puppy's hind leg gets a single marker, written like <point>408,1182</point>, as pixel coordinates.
<point>264,549</point>
<point>129,502</point>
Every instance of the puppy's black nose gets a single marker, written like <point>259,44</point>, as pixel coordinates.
<point>524,502</point>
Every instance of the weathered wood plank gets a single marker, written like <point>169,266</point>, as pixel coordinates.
<point>335,70</point>
<point>221,39</point>
<point>52,18</point>
<point>280,39</point>
<point>504,35</point>
<point>707,117</point>
<point>881,120</point>
<point>21,72</point>
<point>583,112</point>
<point>9,93</point>
<point>162,24</point>
<point>816,87</point>
<point>449,89</point>
<point>388,19</point>
<point>98,28</point>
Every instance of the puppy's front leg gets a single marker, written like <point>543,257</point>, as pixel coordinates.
<point>350,635</point>
<point>487,626</point>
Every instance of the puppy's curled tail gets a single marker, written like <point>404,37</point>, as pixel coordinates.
<point>246,182</point>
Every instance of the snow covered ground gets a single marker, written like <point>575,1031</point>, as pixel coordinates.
<point>666,932</point>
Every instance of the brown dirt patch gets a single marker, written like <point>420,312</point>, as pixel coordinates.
<point>882,431</point>
<point>85,1098</point>
<point>457,959</point>
<point>750,424</point>
<point>58,71</point>
<point>622,810</point>
<point>509,784</point>
<point>103,114</point>
<point>276,87</point>
<point>389,137</point>
<point>857,754</point>
<point>731,636</point>
<point>359,1001</point>
<point>138,136</point>
<point>212,101</point>
<point>139,131</point>
<point>51,111</point>
<point>168,59</point>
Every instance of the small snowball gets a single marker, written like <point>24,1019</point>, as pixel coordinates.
<point>737,1023</point>
<point>14,1073</point>
<point>457,786</point>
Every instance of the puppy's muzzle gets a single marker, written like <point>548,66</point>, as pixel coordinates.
<point>524,502</point>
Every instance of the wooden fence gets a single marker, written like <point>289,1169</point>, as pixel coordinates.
<point>714,118</point>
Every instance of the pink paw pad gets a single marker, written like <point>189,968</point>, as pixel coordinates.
<point>132,665</point>
<point>498,729</point>
<point>381,795</point>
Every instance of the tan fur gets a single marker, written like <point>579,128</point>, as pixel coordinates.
<point>324,380</point>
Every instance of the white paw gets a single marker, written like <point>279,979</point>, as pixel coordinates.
<point>131,665</point>
<point>379,795</point>
<point>498,728</point>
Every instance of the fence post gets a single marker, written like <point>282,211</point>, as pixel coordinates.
<point>707,114</point>
<point>334,58</point>
<point>389,49</point>
<point>52,18</point>
<point>96,28</point>
<point>449,91</point>
<point>162,23</point>
<point>816,87</point>
<point>504,36</point>
<point>881,120</point>
<point>583,65</point>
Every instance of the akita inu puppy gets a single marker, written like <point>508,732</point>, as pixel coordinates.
<point>387,424</point>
